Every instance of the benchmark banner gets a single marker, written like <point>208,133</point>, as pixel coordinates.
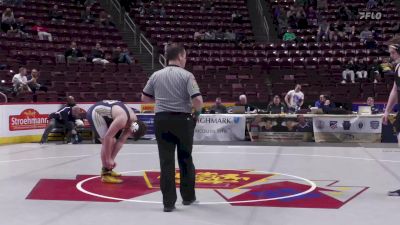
<point>220,127</point>
<point>348,128</point>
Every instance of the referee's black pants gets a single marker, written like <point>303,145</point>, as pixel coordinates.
<point>175,130</point>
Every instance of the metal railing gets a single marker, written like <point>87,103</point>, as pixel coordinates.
<point>162,60</point>
<point>132,26</point>
<point>266,27</point>
<point>4,96</point>
<point>261,14</point>
<point>148,46</point>
<point>128,23</point>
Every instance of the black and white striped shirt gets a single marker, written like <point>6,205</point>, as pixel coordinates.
<point>172,88</point>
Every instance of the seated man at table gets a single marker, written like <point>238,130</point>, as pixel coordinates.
<point>218,108</point>
<point>276,106</point>
<point>328,106</point>
<point>243,102</point>
<point>371,102</point>
<point>319,103</point>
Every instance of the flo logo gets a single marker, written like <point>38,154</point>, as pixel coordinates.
<point>236,120</point>
<point>370,15</point>
<point>234,187</point>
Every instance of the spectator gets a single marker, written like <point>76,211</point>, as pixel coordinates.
<point>311,14</point>
<point>218,108</point>
<point>345,13</point>
<point>323,31</point>
<point>371,44</point>
<point>294,99</point>
<point>7,20</point>
<point>237,17</point>
<point>34,85</point>
<point>87,15</point>
<point>198,35</point>
<point>386,68</point>
<point>74,54</point>
<point>361,69</point>
<point>349,30</point>
<point>120,56</point>
<point>152,9</point>
<point>97,55</point>
<point>20,82</point>
<point>371,102</point>
<point>243,102</point>
<point>332,32</point>
<point>348,71</point>
<point>276,106</point>
<point>340,30</point>
<point>229,35</point>
<point>303,124</point>
<point>219,35</point>
<point>302,22</point>
<point>43,32</point>
<point>203,8</point>
<point>319,103</point>
<point>105,19</point>
<point>56,14</point>
<point>289,36</point>
<point>371,4</point>
<point>209,35</point>
<point>373,70</point>
<point>328,106</point>
<point>365,35</point>
<point>20,28</point>
<point>163,13</point>
<point>142,10</point>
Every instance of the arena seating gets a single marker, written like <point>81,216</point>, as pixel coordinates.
<point>222,68</point>
<point>317,66</point>
<point>86,81</point>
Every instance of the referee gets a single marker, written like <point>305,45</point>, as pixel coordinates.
<point>176,93</point>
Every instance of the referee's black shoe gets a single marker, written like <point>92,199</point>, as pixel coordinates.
<point>169,209</point>
<point>188,202</point>
<point>394,193</point>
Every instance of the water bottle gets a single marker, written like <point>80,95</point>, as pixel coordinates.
<point>282,112</point>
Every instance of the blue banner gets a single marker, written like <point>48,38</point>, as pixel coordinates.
<point>149,121</point>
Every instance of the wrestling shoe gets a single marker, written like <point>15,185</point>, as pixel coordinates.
<point>114,174</point>
<point>110,179</point>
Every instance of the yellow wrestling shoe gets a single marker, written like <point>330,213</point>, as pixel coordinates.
<point>110,179</point>
<point>114,174</point>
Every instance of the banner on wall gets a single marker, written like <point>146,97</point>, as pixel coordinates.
<point>148,119</point>
<point>220,127</point>
<point>28,119</point>
<point>280,128</point>
<point>338,128</point>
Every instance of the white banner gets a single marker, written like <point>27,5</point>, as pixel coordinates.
<point>220,127</point>
<point>29,120</point>
<point>347,128</point>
